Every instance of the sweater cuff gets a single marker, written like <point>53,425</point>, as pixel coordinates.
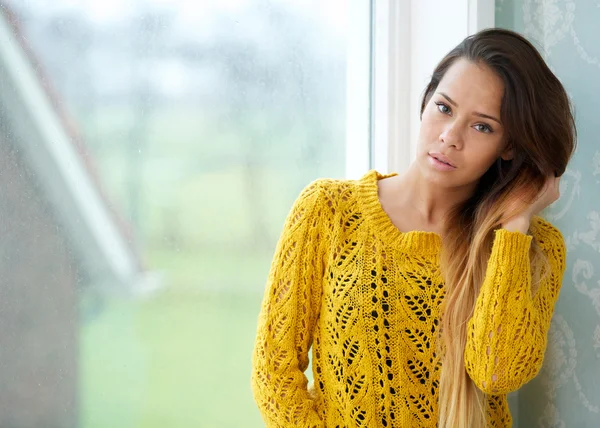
<point>510,255</point>
<point>507,243</point>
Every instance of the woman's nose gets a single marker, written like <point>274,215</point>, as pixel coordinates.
<point>451,136</point>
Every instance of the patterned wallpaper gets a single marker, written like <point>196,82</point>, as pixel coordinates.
<point>567,391</point>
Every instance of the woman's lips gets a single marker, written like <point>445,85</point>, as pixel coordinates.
<point>439,165</point>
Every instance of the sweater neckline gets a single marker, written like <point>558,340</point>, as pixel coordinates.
<point>415,241</point>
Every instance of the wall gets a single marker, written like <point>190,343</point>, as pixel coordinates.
<point>567,391</point>
<point>38,306</point>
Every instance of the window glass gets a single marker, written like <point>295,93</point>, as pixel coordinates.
<point>143,202</point>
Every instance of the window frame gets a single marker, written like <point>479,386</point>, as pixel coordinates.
<point>358,88</point>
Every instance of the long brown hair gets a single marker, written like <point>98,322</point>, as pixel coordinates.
<point>539,124</point>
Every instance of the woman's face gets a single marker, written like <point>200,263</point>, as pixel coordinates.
<point>461,125</point>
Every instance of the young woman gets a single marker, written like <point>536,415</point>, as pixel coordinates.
<point>426,297</point>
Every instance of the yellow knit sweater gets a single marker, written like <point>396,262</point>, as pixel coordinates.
<point>366,297</point>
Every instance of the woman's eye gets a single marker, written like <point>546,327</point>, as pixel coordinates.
<point>481,127</point>
<point>443,108</point>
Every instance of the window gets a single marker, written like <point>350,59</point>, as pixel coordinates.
<point>150,153</point>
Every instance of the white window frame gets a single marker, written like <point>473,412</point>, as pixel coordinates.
<point>358,88</point>
<point>408,39</point>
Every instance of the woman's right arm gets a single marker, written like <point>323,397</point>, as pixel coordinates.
<point>288,316</point>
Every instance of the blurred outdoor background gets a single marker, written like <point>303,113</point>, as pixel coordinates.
<point>150,151</point>
<point>197,124</point>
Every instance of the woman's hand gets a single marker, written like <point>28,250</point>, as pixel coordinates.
<point>549,194</point>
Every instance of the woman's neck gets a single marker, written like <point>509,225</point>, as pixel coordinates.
<point>430,200</point>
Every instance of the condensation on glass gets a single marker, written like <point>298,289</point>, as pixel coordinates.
<point>149,152</point>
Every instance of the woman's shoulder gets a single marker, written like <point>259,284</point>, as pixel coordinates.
<point>340,194</point>
<point>336,184</point>
<point>340,190</point>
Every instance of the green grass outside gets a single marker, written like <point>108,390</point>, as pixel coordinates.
<point>182,357</point>
<point>175,359</point>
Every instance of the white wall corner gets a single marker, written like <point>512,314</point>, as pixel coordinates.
<point>482,15</point>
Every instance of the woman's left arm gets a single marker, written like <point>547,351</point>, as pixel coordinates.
<point>508,331</point>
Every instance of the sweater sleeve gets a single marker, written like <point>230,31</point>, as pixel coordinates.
<point>507,333</point>
<point>288,316</point>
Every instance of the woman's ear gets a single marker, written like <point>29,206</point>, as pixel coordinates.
<point>507,154</point>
